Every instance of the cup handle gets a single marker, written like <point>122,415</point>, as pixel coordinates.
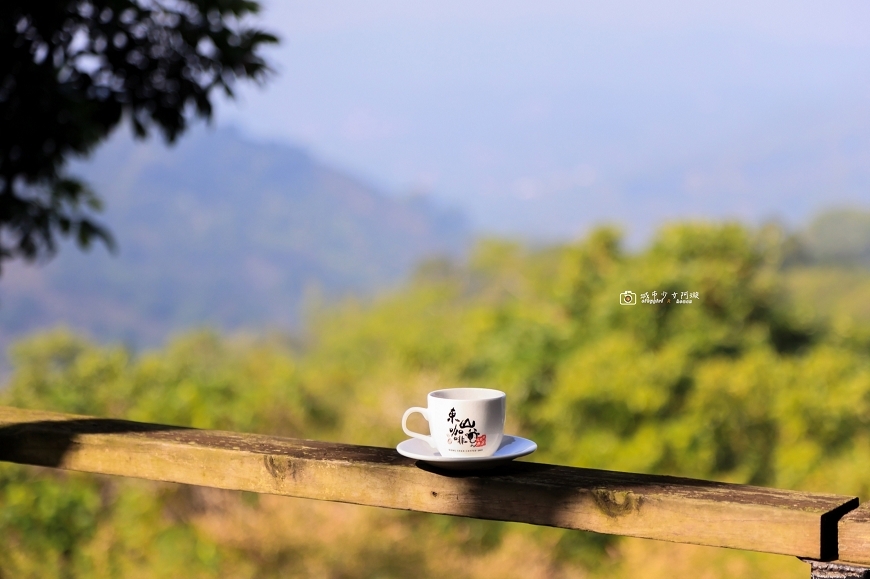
<point>423,437</point>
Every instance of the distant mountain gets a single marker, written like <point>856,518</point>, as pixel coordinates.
<point>838,237</point>
<point>222,231</point>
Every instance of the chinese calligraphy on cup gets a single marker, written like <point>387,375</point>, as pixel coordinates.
<point>465,422</point>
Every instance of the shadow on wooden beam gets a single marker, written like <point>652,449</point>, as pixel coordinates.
<point>638,505</point>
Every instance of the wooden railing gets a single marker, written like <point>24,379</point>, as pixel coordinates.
<point>814,526</point>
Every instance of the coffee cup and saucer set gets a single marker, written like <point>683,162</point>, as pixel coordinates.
<point>466,431</point>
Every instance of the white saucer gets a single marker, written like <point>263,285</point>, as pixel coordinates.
<point>511,447</point>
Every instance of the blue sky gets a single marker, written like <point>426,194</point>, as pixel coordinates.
<point>543,118</point>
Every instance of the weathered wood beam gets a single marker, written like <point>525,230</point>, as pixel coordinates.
<point>854,536</point>
<point>837,570</point>
<point>655,507</point>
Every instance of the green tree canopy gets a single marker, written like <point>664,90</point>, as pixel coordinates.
<point>72,70</point>
<point>737,385</point>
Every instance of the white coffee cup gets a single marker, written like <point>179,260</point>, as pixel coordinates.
<point>463,422</point>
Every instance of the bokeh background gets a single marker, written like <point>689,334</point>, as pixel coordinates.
<point>428,196</point>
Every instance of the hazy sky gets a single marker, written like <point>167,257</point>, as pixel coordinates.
<point>544,117</point>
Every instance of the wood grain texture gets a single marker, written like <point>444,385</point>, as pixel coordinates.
<point>656,507</point>
<point>854,531</point>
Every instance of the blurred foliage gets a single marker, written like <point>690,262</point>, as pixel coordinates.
<point>72,70</point>
<point>837,293</point>
<point>738,386</point>
<point>839,236</point>
<point>827,265</point>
